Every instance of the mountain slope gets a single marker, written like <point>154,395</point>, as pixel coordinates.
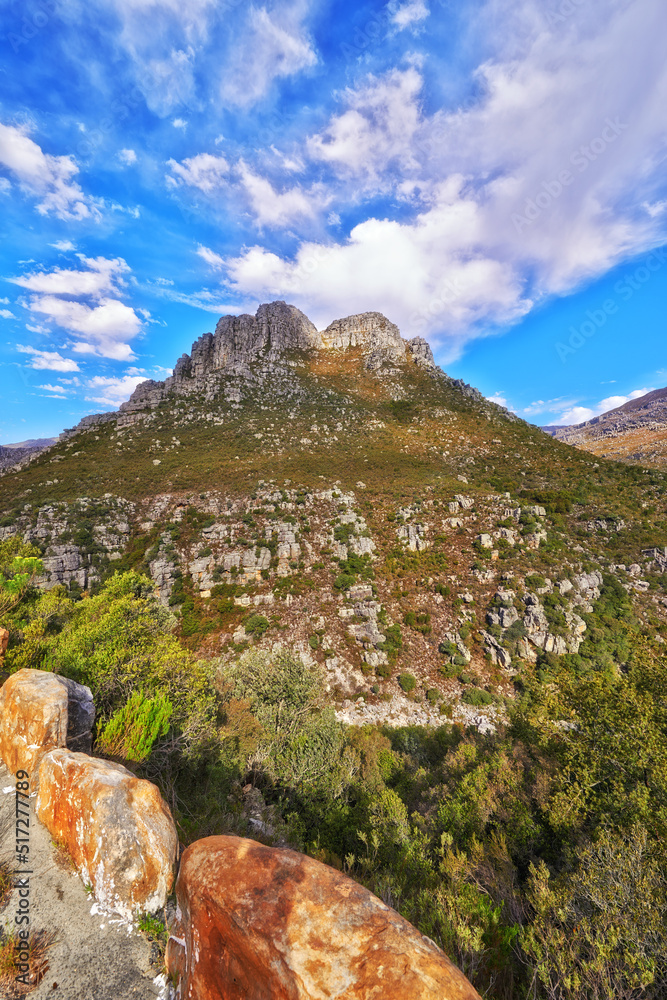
<point>633,432</point>
<point>336,490</point>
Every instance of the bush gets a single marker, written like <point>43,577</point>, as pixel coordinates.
<point>132,731</point>
<point>407,682</point>
<point>257,625</point>
<point>477,696</point>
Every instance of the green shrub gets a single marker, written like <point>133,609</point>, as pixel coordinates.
<point>131,732</point>
<point>477,696</point>
<point>257,625</point>
<point>408,682</point>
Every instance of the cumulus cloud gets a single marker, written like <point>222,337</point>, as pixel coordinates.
<point>204,171</point>
<point>7,314</point>
<point>278,208</point>
<point>526,191</point>
<point>101,324</point>
<point>127,156</point>
<point>99,276</point>
<point>113,391</point>
<point>48,360</point>
<point>63,245</point>
<point>377,130</point>
<point>41,175</point>
<point>579,414</point>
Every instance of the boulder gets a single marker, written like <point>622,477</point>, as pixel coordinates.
<point>117,829</point>
<point>80,715</point>
<point>33,719</point>
<point>39,711</point>
<point>4,642</point>
<point>255,922</point>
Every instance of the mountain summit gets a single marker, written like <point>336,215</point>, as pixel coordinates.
<point>276,330</point>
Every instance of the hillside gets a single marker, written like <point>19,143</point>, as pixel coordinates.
<point>633,432</point>
<point>391,626</point>
<point>338,489</point>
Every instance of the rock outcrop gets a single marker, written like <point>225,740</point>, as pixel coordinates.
<point>116,828</point>
<point>40,711</point>
<point>278,328</point>
<point>258,922</point>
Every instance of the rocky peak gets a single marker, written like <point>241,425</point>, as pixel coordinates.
<point>277,328</point>
<point>371,331</point>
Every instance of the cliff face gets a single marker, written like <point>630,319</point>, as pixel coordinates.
<point>278,328</point>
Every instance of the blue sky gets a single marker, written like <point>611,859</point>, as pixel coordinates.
<point>487,173</point>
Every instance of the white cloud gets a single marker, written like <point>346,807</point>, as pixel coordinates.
<point>179,123</point>
<point>377,129</point>
<point>7,314</point>
<point>113,391</point>
<point>579,414</point>
<point>103,325</point>
<point>63,245</point>
<point>49,178</point>
<point>498,398</point>
<point>266,51</point>
<point>51,388</point>
<point>101,276</point>
<point>127,156</point>
<point>204,171</point>
<point>212,258</point>
<point>407,14</point>
<point>5,186</point>
<point>163,39</point>
<point>278,208</point>
<point>4,302</point>
<point>457,259</point>
<point>48,360</point>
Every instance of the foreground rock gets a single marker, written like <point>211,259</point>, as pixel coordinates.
<point>39,711</point>
<point>259,922</point>
<point>116,828</point>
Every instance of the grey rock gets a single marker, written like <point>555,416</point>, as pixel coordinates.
<point>80,715</point>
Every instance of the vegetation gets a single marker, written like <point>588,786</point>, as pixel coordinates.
<point>534,856</point>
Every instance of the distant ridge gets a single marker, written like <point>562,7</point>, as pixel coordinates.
<point>633,432</point>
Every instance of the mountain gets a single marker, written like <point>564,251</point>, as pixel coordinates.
<point>11,454</point>
<point>633,432</point>
<point>336,490</point>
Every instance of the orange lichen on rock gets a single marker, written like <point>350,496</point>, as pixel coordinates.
<point>255,922</point>
<point>117,829</point>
